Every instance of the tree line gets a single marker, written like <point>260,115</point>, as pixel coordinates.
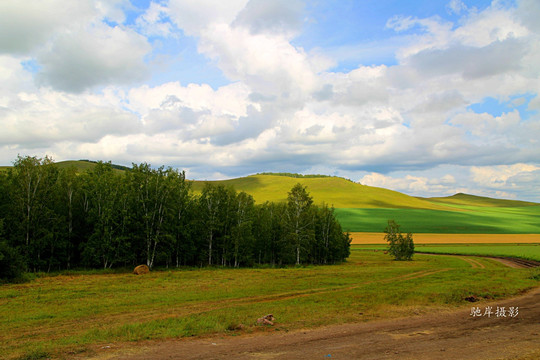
<point>55,218</point>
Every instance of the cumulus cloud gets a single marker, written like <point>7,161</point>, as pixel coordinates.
<point>44,118</point>
<point>26,25</point>
<point>193,16</point>
<point>413,184</point>
<point>98,55</point>
<point>504,176</point>
<point>70,83</point>
<point>73,47</point>
<point>279,16</point>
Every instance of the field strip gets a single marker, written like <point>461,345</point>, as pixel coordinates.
<point>365,238</point>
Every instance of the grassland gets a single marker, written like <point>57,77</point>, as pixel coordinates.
<point>362,208</point>
<point>58,316</point>
<point>339,192</point>
<point>470,220</point>
<point>472,200</point>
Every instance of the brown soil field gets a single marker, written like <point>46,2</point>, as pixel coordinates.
<point>446,335</point>
<point>364,238</point>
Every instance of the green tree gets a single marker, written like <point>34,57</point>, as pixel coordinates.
<point>153,191</point>
<point>211,215</point>
<point>268,227</point>
<point>332,244</point>
<point>105,191</point>
<point>181,247</point>
<point>399,246</point>
<point>300,219</point>
<point>32,186</point>
<point>242,235</point>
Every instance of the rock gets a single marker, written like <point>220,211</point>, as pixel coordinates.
<point>141,269</point>
<point>266,320</point>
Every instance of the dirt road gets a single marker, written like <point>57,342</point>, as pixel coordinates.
<point>452,335</point>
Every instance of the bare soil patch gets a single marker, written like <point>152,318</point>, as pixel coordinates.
<point>449,335</point>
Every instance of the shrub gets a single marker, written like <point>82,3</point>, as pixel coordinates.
<point>399,246</point>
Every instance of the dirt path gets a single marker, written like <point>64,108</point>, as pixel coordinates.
<point>452,335</point>
<point>515,263</point>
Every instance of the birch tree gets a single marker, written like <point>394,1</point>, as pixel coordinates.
<point>300,218</point>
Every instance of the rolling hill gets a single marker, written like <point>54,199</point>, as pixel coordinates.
<point>362,208</point>
<point>461,199</point>
<point>336,191</point>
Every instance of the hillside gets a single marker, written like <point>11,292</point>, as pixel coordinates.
<point>336,191</point>
<point>473,200</point>
<point>339,192</point>
<point>79,165</point>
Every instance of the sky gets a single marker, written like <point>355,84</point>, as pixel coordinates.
<point>426,97</point>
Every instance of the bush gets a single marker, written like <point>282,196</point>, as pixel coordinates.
<point>399,246</point>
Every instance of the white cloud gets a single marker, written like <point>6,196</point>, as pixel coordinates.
<point>504,176</point>
<point>154,22</point>
<point>278,17</point>
<point>269,63</point>
<point>26,25</point>
<point>70,83</point>
<point>456,7</point>
<point>413,184</point>
<point>96,55</point>
<point>193,16</point>
<point>41,119</point>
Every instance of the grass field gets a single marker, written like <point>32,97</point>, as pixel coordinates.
<point>59,316</point>
<point>471,220</point>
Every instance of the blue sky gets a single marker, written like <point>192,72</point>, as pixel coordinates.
<point>425,97</point>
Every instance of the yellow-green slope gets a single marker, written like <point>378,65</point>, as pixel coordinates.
<point>339,192</point>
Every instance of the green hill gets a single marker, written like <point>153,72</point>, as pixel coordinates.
<point>336,191</point>
<point>79,165</point>
<point>367,209</point>
<point>472,200</point>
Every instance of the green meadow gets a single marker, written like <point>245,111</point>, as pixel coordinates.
<point>361,208</point>
<point>58,316</point>
<point>470,220</point>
